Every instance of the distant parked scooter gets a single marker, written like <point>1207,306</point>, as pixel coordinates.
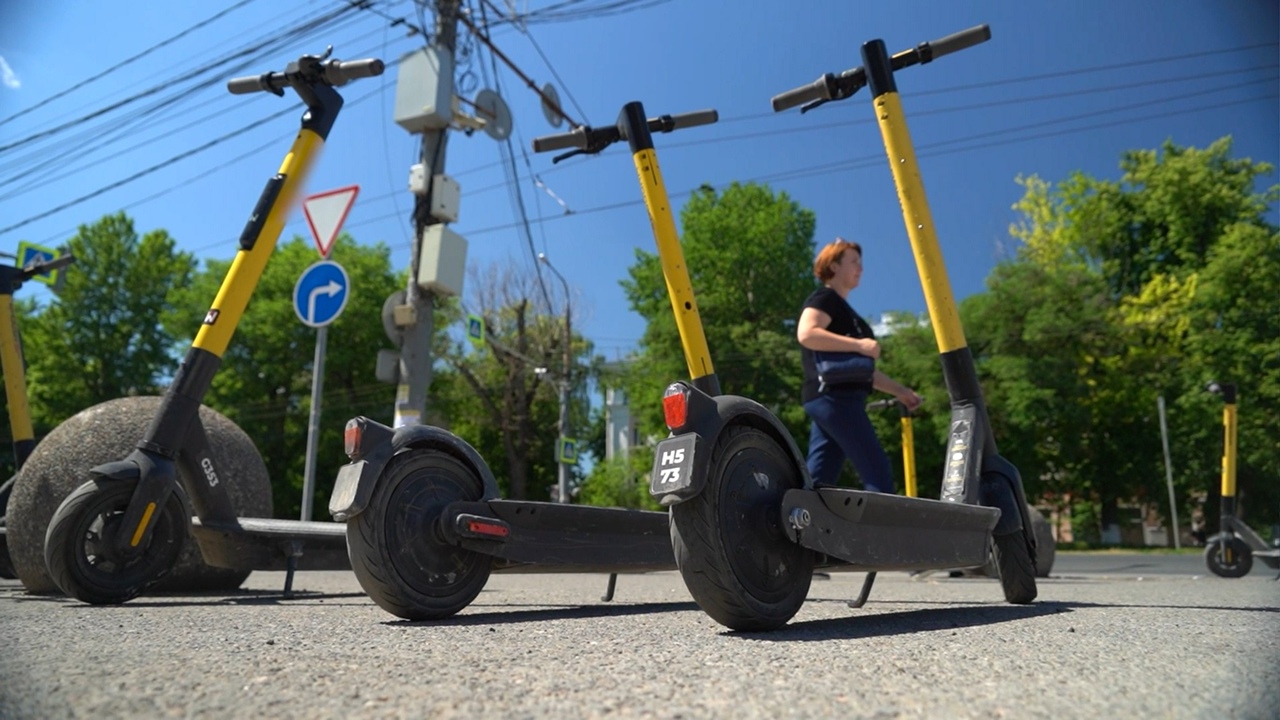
<point>15,383</point>
<point>1230,553</point>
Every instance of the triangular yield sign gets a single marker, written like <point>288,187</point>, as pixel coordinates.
<point>326,212</point>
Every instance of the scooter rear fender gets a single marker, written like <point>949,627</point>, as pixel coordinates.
<point>686,453</point>
<point>357,479</point>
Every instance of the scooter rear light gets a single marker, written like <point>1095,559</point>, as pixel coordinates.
<point>675,405</point>
<point>351,438</point>
<point>481,527</point>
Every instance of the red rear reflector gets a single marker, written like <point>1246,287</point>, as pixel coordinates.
<point>675,409</point>
<point>483,528</point>
<point>351,439</point>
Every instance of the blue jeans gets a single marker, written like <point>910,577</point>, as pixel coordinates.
<point>841,429</point>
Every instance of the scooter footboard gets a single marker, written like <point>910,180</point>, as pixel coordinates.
<point>572,538</point>
<point>267,544</point>
<point>875,531</point>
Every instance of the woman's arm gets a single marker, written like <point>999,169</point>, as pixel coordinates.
<point>905,395</point>
<point>812,333</point>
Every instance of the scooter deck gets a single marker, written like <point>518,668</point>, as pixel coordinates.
<point>268,544</point>
<point>566,538</point>
<point>875,531</point>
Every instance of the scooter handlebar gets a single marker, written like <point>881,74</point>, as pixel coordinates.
<point>819,89</point>
<point>962,40</point>
<point>337,72</point>
<point>258,83</point>
<point>333,72</point>
<point>595,139</point>
<point>667,123</point>
<point>575,138</point>
<point>831,87</point>
<point>44,266</point>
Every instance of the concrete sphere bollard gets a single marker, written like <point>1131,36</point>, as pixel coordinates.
<point>108,432</point>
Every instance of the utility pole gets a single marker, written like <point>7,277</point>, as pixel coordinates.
<point>563,477</point>
<point>424,103</point>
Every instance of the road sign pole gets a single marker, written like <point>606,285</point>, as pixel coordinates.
<point>318,298</point>
<point>313,425</point>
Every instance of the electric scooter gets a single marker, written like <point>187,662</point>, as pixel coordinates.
<point>15,383</point>
<point>120,532</point>
<point>746,522</point>
<point>1230,553</point>
<point>425,522</point>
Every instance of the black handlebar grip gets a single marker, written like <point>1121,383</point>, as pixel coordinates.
<point>340,73</point>
<point>819,89</point>
<point>47,266</point>
<point>960,41</point>
<point>693,119</point>
<point>246,85</point>
<point>575,138</point>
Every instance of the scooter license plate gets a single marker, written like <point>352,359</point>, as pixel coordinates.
<point>673,465</point>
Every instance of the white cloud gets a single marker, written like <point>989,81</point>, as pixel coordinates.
<point>8,76</point>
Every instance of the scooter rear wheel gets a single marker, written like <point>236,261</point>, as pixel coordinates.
<point>1228,557</point>
<point>729,542</point>
<point>397,550</point>
<point>79,544</point>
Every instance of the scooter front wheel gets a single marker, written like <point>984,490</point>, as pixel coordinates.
<point>1017,568</point>
<point>729,542</point>
<point>80,550</point>
<point>397,551</point>
<point>1228,557</point>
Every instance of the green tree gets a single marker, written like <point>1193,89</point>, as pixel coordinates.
<point>264,384</point>
<point>102,336</point>
<point>1123,291</point>
<point>1234,337</point>
<point>749,253</point>
<point>503,397</point>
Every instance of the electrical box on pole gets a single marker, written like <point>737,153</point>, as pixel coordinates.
<point>443,262</point>
<point>424,90</point>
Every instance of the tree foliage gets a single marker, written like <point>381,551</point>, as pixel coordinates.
<point>503,397</point>
<point>102,336</point>
<point>1123,292</point>
<point>749,253</point>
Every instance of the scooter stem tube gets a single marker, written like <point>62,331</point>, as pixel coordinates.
<point>1229,425</point>
<point>674,271</point>
<point>909,456</point>
<point>257,244</point>
<point>15,383</point>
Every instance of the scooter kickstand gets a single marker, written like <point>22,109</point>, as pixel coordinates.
<point>293,550</point>
<point>613,582</point>
<point>866,591</point>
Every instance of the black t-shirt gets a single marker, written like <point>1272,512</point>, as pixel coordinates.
<point>844,321</point>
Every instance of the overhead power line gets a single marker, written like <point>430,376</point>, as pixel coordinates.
<point>163,43</point>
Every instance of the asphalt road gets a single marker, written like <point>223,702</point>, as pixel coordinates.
<point>1123,636</point>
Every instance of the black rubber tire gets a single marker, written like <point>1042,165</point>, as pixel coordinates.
<point>6,565</point>
<point>397,551</point>
<point>1232,558</point>
<point>1046,546</point>
<point>89,515</point>
<point>1017,570</point>
<point>729,541</point>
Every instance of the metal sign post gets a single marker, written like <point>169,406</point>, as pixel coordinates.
<point>318,298</point>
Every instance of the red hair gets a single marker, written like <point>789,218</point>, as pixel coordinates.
<point>830,255</point>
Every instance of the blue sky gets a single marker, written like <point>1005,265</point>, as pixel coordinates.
<point>1060,87</point>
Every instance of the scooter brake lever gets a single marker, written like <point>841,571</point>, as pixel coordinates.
<point>566,156</point>
<point>813,104</point>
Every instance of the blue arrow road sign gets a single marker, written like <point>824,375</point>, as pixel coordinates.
<point>321,293</point>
